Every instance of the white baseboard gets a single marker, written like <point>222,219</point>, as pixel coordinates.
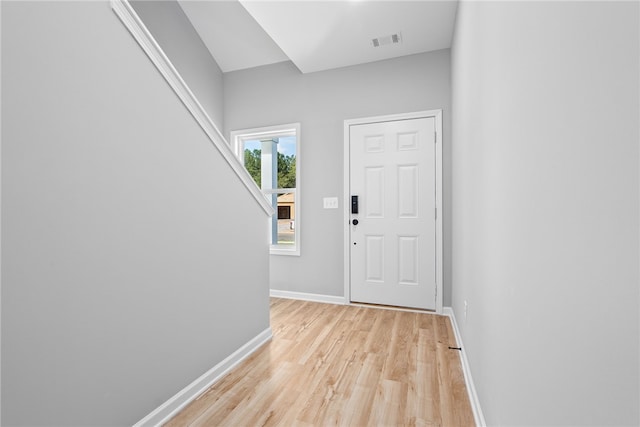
<point>471,389</point>
<point>171,407</point>
<point>329,299</point>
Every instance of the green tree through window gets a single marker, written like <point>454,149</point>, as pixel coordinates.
<point>286,167</point>
<point>286,171</point>
<point>252,163</point>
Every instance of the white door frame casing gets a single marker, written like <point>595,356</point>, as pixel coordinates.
<point>437,115</point>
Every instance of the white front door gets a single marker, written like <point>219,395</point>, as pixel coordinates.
<point>393,233</point>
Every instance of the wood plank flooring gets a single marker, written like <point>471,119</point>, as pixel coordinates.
<point>342,365</point>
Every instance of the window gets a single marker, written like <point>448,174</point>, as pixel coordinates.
<point>271,156</point>
<point>284,212</point>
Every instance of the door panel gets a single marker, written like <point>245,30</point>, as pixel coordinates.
<point>408,260</point>
<point>374,258</point>
<point>408,191</point>
<point>393,249</point>
<point>374,192</point>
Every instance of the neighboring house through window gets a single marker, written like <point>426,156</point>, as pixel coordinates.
<point>271,155</point>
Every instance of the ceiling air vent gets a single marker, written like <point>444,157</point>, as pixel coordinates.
<point>391,39</point>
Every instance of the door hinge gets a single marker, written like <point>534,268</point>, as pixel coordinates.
<point>436,213</point>
<point>435,137</point>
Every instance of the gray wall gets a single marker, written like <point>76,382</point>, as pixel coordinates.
<point>545,209</point>
<point>123,278</point>
<point>277,94</point>
<point>178,39</point>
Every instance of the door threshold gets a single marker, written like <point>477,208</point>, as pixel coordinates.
<point>392,307</point>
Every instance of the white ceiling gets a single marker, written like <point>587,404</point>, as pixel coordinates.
<point>317,35</point>
<point>233,37</point>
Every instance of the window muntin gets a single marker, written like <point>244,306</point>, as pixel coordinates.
<point>271,156</point>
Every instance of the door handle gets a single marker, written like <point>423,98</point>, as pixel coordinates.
<point>354,222</point>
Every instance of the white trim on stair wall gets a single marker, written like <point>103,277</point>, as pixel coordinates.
<point>180,400</point>
<point>471,389</point>
<point>136,27</point>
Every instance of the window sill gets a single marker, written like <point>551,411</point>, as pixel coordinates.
<point>286,252</point>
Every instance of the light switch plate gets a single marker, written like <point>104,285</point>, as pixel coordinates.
<point>330,202</point>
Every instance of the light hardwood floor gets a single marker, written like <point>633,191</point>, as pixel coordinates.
<point>342,365</point>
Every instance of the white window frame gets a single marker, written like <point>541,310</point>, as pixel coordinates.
<point>237,141</point>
